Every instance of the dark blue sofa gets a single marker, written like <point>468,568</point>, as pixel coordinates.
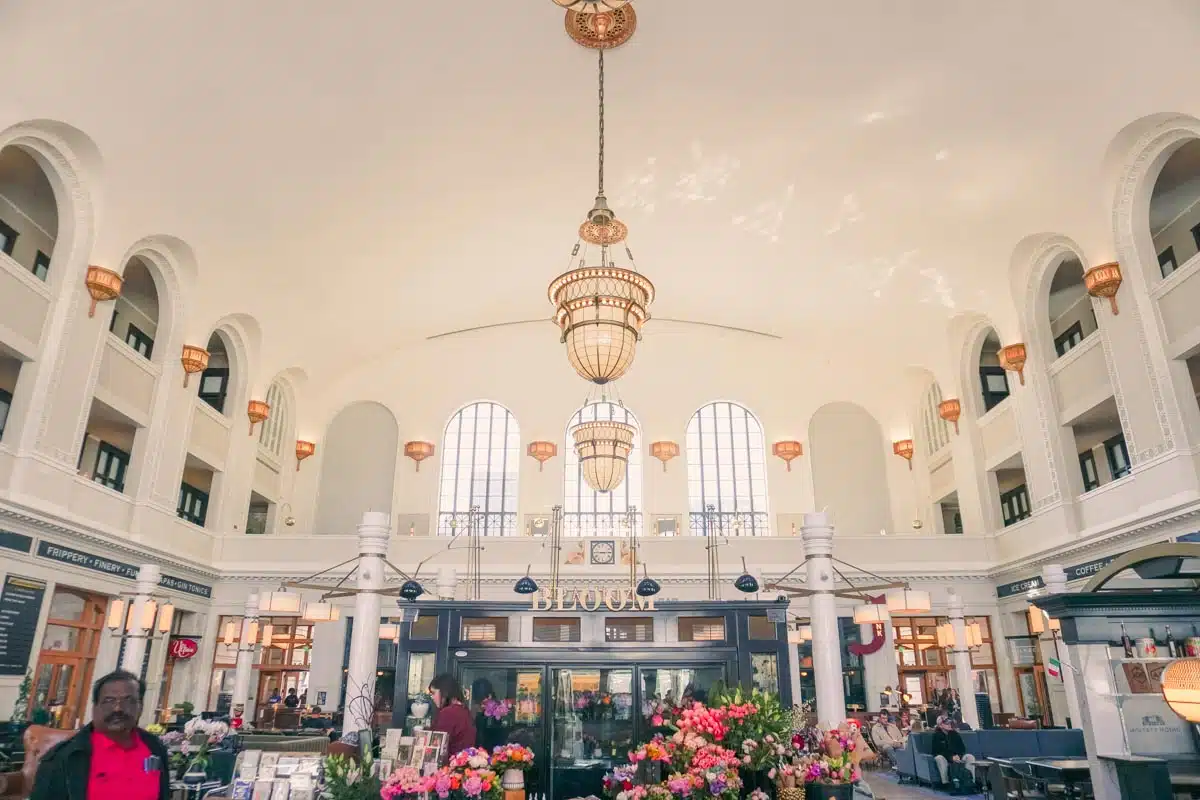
<point>915,761</point>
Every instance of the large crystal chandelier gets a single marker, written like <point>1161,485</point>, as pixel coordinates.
<point>603,448</point>
<point>600,307</point>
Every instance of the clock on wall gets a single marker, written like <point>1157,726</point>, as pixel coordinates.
<point>603,552</point>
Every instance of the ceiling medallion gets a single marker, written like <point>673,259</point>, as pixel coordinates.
<point>603,448</point>
<point>600,306</point>
<point>602,29</point>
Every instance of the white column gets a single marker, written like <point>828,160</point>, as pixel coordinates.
<point>137,637</point>
<point>880,669</point>
<point>1100,716</point>
<point>817,535</point>
<point>364,641</point>
<point>794,672</point>
<point>244,671</point>
<point>962,661</point>
<point>1055,579</point>
<point>447,579</point>
<point>200,671</point>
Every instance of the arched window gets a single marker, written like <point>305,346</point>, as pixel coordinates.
<point>481,460</point>
<point>727,472</point>
<point>587,512</point>
<point>936,429</point>
<point>274,430</point>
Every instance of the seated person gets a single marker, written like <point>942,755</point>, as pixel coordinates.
<point>949,748</point>
<point>886,736</point>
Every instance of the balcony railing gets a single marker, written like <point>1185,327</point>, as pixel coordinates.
<point>729,523</point>
<point>487,523</point>
<point>601,524</point>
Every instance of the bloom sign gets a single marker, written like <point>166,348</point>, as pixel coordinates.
<point>183,648</point>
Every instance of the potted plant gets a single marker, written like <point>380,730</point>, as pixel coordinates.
<point>183,712</point>
<point>512,761</point>
<point>199,737</point>
<point>419,705</point>
<point>831,772</point>
<point>348,779</point>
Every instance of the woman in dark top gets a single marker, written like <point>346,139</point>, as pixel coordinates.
<point>453,718</point>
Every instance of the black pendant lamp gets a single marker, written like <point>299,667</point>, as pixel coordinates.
<point>526,584</point>
<point>411,590</point>
<point>647,586</point>
<point>746,582</point>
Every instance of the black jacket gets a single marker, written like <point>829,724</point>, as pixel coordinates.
<point>63,772</point>
<point>948,744</point>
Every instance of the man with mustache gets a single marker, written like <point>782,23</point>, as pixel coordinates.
<point>111,758</point>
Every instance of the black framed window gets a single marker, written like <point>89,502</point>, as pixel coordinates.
<point>214,385</point>
<point>587,512</point>
<point>41,265</point>
<point>193,504</point>
<point>1166,261</point>
<point>8,238</point>
<point>5,407</point>
<point>994,383</point>
<point>1087,466</point>
<point>1118,456</point>
<point>481,459</point>
<point>111,463</point>
<point>1196,236</point>
<point>727,472</point>
<point>139,341</point>
<point>1068,338</point>
<point>1014,505</point>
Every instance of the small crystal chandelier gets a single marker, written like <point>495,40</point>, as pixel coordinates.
<point>600,307</point>
<point>603,448</point>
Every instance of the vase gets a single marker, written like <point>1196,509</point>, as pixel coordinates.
<point>419,709</point>
<point>756,779</point>
<point>512,779</point>
<point>828,791</point>
<point>196,774</point>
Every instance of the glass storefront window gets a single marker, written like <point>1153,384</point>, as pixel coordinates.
<point>764,669</point>
<point>507,706</point>
<point>671,688</point>
<point>593,725</point>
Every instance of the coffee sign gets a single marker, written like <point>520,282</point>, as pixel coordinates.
<point>592,598</point>
<point>183,648</point>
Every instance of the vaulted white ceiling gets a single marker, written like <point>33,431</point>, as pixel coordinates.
<point>366,174</point>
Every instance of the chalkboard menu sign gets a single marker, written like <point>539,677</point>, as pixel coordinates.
<point>20,606</point>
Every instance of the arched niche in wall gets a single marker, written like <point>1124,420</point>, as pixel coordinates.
<point>358,467</point>
<point>848,468</point>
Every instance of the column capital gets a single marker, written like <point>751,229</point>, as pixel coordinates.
<point>1055,578</point>
<point>373,533</point>
<point>955,603</point>
<point>817,534</point>
<point>148,574</point>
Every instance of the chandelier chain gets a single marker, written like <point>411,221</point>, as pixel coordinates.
<point>600,168</point>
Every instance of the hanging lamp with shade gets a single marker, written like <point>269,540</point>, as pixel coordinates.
<point>600,305</point>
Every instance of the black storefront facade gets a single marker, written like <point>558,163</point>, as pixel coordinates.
<point>581,687</point>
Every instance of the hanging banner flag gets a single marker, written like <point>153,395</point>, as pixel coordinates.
<point>1053,668</point>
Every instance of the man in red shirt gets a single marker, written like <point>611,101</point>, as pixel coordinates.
<point>110,759</point>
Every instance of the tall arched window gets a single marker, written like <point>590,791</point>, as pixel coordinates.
<point>936,429</point>
<point>587,512</point>
<point>481,460</point>
<point>727,472</point>
<point>274,431</point>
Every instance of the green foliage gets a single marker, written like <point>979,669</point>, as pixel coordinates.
<point>347,779</point>
<point>40,716</point>
<point>21,706</point>
<point>185,708</point>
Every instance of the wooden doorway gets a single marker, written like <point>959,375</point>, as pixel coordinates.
<point>1032,694</point>
<point>67,657</point>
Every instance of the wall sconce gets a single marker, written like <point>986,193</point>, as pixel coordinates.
<point>543,452</point>
<point>787,451</point>
<point>664,452</point>
<point>1012,358</point>
<point>304,450</point>
<point>950,410</point>
<point>1103,281</point>
<point>418,451</point>
<point>194,359</point>
<point>904,449</point>
<point>154,617</point>
<point>102,284</point>
<point>257,411</point>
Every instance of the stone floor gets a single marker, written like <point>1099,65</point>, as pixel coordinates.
<point>886,787</point>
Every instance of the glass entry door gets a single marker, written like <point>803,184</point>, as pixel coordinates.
<point>506,704</point>
<point>592,729</point>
